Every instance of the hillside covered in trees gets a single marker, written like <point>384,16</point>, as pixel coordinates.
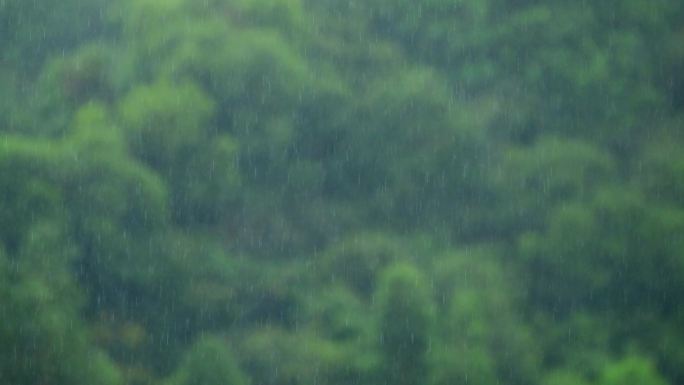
<point>341,192</point>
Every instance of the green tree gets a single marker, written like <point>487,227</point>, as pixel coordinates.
<point>170,128</point>
<point>209,362</point>
<point>483,337</point>
<point>631,370</point>
<point>405,325</point>
<point>42,336</point>
<point>273,356</point>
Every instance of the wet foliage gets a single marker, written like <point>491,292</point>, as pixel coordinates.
<point>295,192</point>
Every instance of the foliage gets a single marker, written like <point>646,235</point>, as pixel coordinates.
<point>334,192</point>
<point>208,362</point>
<point>406,317</point>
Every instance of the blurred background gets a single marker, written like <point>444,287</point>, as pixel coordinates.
<point>341,192</point>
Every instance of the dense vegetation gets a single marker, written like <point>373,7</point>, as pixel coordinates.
<point>286,192</point>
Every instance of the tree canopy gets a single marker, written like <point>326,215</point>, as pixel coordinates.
<point>333,192</point>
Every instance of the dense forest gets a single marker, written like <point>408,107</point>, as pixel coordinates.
<point>341,192</point>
